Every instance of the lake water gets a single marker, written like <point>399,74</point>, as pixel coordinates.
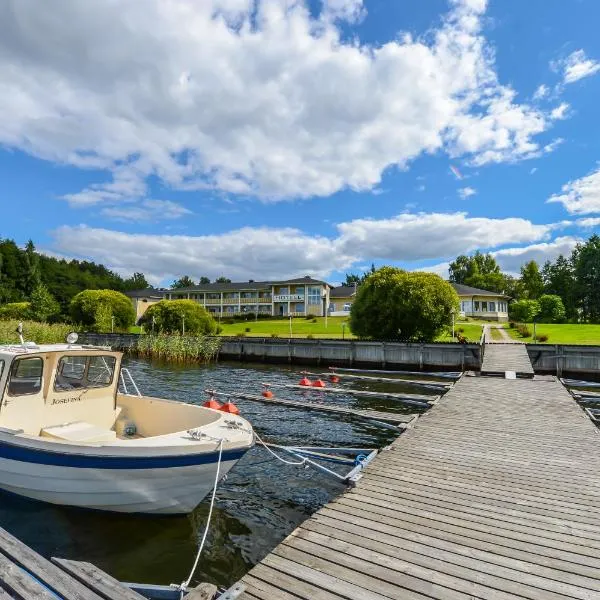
<point>260,502</point>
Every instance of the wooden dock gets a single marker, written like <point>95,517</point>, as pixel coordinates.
<point>25,575</point>
<point>500,358</point>
<point>493,493</point>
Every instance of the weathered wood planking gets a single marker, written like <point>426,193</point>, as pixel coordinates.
<point>499,358</point>
<point>25,575</point>
<point>493,493</point>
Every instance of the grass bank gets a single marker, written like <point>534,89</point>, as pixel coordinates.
<point>40,333</point>
<point>561,333</point>
<point>177,348</point>
<point>336,327</point>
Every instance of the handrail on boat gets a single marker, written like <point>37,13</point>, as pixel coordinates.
<point>125,371</point>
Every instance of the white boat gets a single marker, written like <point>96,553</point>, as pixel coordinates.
<point>68,436</point>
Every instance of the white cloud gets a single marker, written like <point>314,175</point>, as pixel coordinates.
<point>576,66</point>
<point>560,112</point>
<point>147,210</point>
<point>440,269</point>
<point>254,98</point>
<point>511,259</point>
<point>433,235</point>
<point>248,253</point>
<point>588,222</point>
<point>466,192</point>
<point>541,92</point>
<point>261,253</point>
<point>581,196</point>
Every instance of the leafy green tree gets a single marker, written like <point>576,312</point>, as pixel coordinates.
<point>84,308</point>
<point>552,309</point>
<point>42,304</point>
<point>32,268</point>
<point>103,319</point>
<point>204,280</point>
<point>136,282</point>
<point>14,310</point>
<point>182,282</point>
<point>524,310</point>
<point>172,316</point>
<point>222,280</point>
<point>586,267</point>
<point>393,304</point>
<point>531,280</point>
<point>351,279</point>
<point>480,271</point>
<point>559,280</point>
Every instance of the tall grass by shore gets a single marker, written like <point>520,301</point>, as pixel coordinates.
<point>40,333</point>
<point>177,348</point>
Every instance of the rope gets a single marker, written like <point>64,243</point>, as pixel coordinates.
<point>287,462</point>
<point>183,587</point>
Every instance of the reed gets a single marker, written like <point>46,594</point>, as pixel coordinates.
<point>40,333</point>
<point>177,348</point>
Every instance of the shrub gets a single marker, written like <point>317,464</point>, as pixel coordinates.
<point>170,316</point>
<point>394,304</point>
<point>248,330</point>
<point>314,320</point>
<point>542,338</point>
<point>310,336</point>
<point>274,335</point>
<point>524,331</point>
<point>85,309</point>
<point>524,310</point>
<point>218,330</point>
<point>241,335</point>
<point>552,309</point>
<point>229,321</point>
<point>15,310</point>
<point>43,305</point>
<point>461,330</point>
<point>40,333</point>
<point>309,317</point>
<point>512,324</point>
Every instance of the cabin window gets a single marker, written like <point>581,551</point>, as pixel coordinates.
<point>84,372</point>
<point>26,377</point>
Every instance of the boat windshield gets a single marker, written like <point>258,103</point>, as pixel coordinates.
<point>75,372</point>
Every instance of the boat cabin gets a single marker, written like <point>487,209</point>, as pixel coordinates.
<point>60,390</point>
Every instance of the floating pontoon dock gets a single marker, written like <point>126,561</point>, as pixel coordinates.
<point>493,493</point>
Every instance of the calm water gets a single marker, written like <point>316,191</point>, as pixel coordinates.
<point>259,503</point>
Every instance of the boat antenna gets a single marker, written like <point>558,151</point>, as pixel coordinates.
<point>19,330</point>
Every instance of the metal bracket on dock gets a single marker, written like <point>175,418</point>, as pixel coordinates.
<point>356,473</point>
<point>233,592</point>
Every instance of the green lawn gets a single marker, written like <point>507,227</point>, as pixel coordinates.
<point>472,331</point>
<point>300,328</point>
<point>561,333</point>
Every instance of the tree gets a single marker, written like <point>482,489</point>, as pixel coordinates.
<point>171,316</point>
<point>32,269</point>
<point>531,280</point>
<point>586,268</point>
<point>14,310</point>
<point>524,310</point>
<point>204,280</point>
<point>552,309</point>
<point>480,271</point>
<point>222,280</point>
<point>182,282</point>
<point>85,308</point>
<point>42,304</point>
<point>559,280</point>
<point>136,282</point>
<point>352,279</point>
<point>393,304</point>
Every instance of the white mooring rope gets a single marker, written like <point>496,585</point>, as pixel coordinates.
<point>287,462</point>
<point>184,586</point>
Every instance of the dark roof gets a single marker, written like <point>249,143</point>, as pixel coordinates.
<point>225,287</point>
<point>343,291</point>
<point>467,290</point>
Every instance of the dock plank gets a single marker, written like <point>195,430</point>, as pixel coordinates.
<point>102,583</point>
<point>20,584</point>
<point>492,493</point>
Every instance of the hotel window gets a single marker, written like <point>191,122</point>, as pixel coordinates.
<point>314,295</point>
<point>492,307</point>
<point>283,291</point>
<point>484,306</point>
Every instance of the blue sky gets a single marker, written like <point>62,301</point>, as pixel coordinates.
<point>270,139</point>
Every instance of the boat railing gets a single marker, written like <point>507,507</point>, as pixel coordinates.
<point>126,373</point>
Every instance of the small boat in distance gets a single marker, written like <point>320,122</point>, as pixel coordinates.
<point>68,436</point>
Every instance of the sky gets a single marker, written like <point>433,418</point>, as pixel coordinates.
<point>270,139</point>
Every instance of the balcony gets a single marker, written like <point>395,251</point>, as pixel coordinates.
<point>231,300</point>
<point>212,301</point>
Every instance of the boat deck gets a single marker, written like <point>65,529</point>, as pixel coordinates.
<point>25,575</point>
<point>493,493</point>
